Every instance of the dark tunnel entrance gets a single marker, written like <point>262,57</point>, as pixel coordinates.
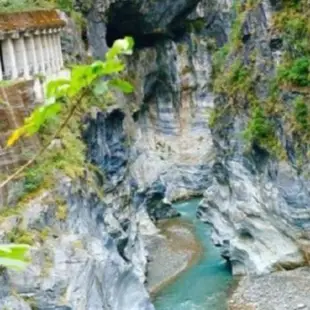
<point>126,20</point>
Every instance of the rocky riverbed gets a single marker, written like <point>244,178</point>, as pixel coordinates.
<point>171,252</point>
<point>285,290</point>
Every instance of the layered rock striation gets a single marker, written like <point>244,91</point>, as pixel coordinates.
<point>201,71</point>
<point>258,204</point>
<point>87,248</point>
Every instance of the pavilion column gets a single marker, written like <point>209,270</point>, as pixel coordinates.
<point>56,51</point>
<point>52,52</point>
<point>1,73</point>
<point>9,59</point>
<point>21,57</point>
<point>32,55</point>
<point>39,53</point>
<point>58,44</point>
<point>46,54</point>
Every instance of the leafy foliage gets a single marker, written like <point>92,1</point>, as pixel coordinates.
<point>219,58</point>
<point>301,114</point>
<point>293,22</point>
<point>13,256</point>
<point>261,131</point>
<point>23,5</point>
<point>20,236</point>
<point>235,36</point>
<point>64,5</point>
<point>259,127</point>
<point>33,179</point>
<point>236,80</point>
<point>85,79</point>
<point>296,72</point>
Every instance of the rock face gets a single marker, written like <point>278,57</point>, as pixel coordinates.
<point>257,205</point>
<point>258,218</point>
<point>172,138</point>
<point>88,250</point>
<point>72,45</point>
<point>91,260</point>
<point>171,143</point>
<point>164,143</point>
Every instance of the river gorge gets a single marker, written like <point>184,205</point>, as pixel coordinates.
<point>219,109</point>
<point>206,282</point>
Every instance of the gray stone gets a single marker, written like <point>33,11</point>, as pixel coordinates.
<point>72,44</point>
<point>283,290</point>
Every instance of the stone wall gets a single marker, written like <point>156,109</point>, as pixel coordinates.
<point>16,102</point>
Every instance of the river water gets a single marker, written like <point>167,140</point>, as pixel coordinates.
<point>205,285</point>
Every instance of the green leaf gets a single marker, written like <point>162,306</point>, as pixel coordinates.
<point>33,123</point>
<point>109,67</point>
<point>14,256</point>
<point>97,67</point>
<point>5,248</point>
<point>112,66</point>
<point>51,111</point>
<point>122,85</point>
<point>14,250</point>
<point>120,46</point>
<point>100,88</point>
<point>57,87</point>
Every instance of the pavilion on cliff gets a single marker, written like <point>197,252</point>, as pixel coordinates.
<point>30,44</point>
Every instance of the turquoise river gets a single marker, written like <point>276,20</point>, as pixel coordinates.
<point>205,285</point>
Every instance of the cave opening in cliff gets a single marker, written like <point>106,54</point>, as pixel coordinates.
<point>126,20</point>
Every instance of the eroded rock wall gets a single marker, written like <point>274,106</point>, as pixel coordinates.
<point>86,236</point>
<point>256,201</point>
<point>164,143</point>
<point>172,138</point>
<point>258,204</point>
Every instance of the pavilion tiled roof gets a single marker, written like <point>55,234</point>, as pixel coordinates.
<point>31,20</point>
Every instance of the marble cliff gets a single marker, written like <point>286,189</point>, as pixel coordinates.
<point>216,112</point>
